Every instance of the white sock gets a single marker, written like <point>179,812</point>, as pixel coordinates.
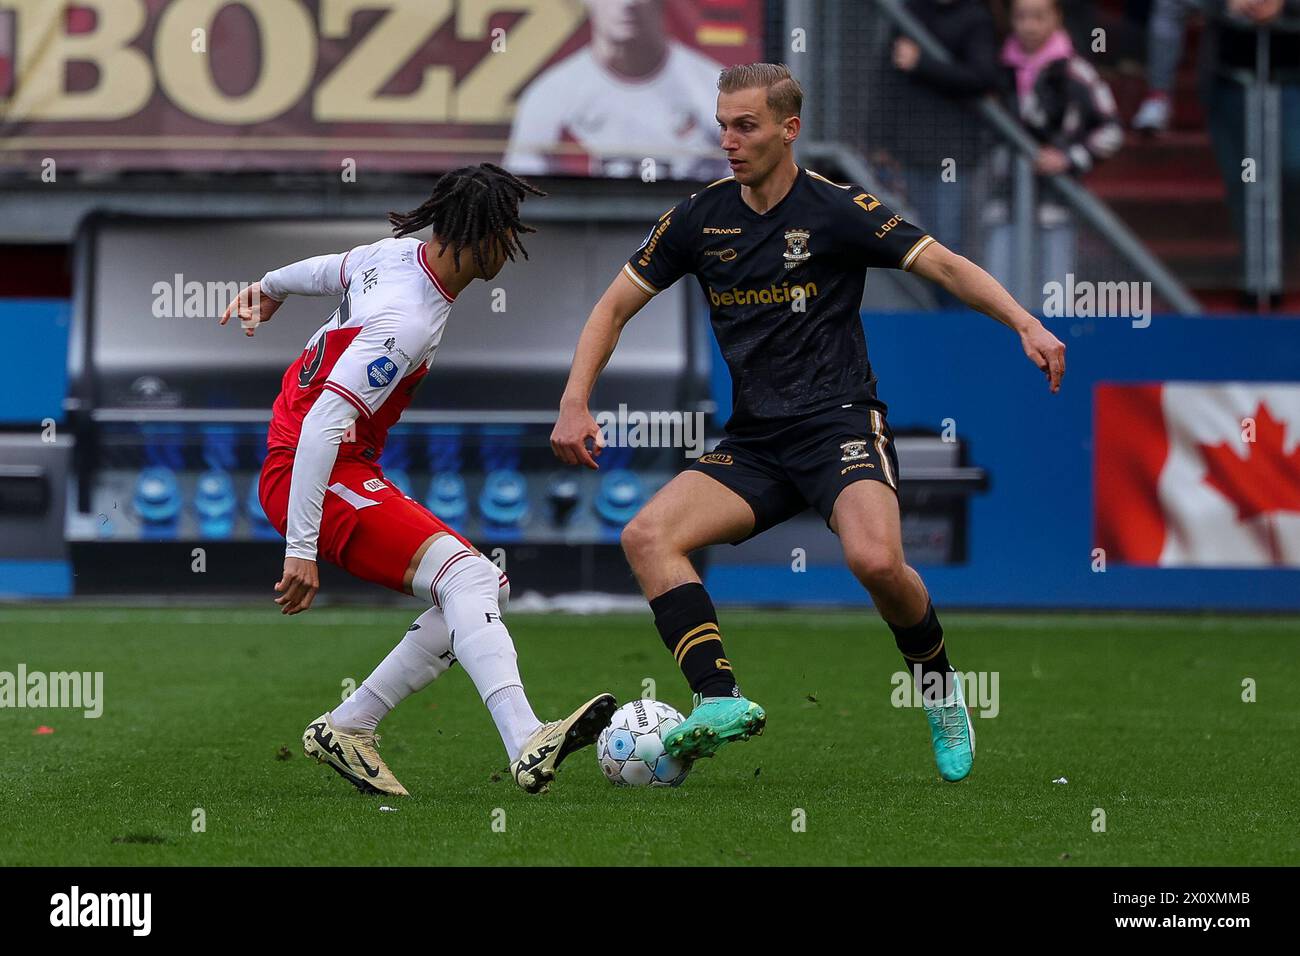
<point>423,655</point>
<point>489,658</point>
<point>514,718</point>
<point>363,710</point>
<point>466,587</point>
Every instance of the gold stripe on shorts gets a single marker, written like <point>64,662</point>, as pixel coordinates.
<point>878,426</point>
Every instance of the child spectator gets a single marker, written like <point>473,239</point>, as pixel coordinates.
<point>1069,110</point>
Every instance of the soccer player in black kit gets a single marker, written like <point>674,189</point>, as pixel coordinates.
<point>782,253</point>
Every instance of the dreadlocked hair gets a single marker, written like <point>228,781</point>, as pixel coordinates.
<point>475,208</point>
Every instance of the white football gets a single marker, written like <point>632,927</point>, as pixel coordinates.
<point>631,749</point>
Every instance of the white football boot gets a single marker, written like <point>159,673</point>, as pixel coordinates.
<point>551,743</point>
<point>353,754</point>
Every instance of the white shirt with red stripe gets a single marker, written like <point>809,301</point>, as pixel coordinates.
<point>360,368</point>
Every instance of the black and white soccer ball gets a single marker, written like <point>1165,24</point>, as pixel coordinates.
<point>631,749</point>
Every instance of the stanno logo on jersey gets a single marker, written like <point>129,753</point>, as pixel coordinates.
<point>721,231</point>
<point>726,255</point>
<point>380,372</point>
<point>853,450</point>
<point>715,458</point>
<point>796,247</point>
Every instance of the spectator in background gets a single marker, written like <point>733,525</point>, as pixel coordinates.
<point>632,94</point>
<point>925,116</point>
<point>1067,107</point>
<point>1227,58</point>
<point>1165,34</point>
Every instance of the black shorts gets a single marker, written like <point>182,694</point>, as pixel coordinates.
<point>805,463</point>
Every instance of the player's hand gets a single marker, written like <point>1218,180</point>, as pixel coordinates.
<point>1258,11</point>
<point>906,54</point>
<point>1051,161</point>
<point>253,306</point>
<point>569,437</point>
<point>297,586</point>
<point>1046,351</point>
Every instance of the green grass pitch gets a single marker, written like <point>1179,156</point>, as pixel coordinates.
<point>1143,715</point>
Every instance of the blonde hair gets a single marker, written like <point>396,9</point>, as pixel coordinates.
<point>784,94</point>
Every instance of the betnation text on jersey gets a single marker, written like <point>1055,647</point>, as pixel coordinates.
<point>796,294</point>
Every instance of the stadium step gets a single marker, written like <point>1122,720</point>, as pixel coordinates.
<point>1180,156</point>
<point>1173,217</point>
<point>1204,264</point>
<point>1180,212</point>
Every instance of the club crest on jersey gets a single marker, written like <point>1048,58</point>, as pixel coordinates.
<point>853,450</point>
<point>311,361</point>
<point>796,247</point>
<point>380,372</point>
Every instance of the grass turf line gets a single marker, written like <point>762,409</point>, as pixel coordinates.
<point>1142,715</point>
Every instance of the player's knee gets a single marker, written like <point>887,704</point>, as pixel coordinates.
<point>472,577</point>
<point>468,575</point>
<point>641,539</point>
<point>879,569</point>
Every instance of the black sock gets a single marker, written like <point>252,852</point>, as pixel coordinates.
<point>922,646</point>
<point>689,628</point>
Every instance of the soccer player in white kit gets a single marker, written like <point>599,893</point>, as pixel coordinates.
<point>322,486</point>
<point>632,94</point>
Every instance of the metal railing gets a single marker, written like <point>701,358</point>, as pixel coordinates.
<point>1262,116</point>
<point>841,50</point>
<point>1084,204</point>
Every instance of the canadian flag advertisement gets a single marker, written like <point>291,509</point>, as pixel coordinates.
<point>1194,474</point>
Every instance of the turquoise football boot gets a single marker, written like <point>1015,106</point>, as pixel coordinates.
<point>951,734</point>
<point>713,722</point>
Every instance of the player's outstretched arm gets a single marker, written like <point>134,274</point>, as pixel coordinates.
<point>982,292</point>
<point>622,300</point>
<point>319,275</point>
<point>253,306</point>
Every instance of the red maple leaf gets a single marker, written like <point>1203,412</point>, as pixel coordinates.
<point>1265,480</point>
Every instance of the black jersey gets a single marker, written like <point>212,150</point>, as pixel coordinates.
<point>784,288</point>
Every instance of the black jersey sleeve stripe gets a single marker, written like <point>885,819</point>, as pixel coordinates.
<point>638,281</point>
<point>917,248</point>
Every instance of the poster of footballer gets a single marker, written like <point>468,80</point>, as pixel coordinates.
<point>550,85</point>
<point>464,452</point>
